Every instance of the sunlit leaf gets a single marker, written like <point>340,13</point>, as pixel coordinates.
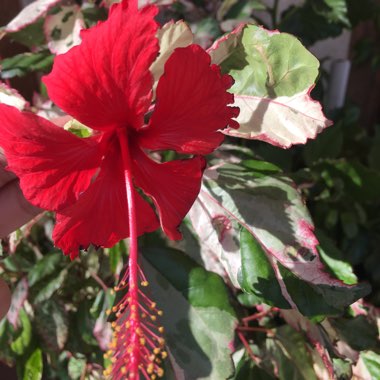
<point>274,75</point>
<point>34,366</point>
<point>272,210</point>
<point>171,36</point>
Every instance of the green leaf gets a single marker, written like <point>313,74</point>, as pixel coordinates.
<point>308,24</point>
<point>273,75</point>
<point>200,330</point>
<point>295,347</point>
<point>22,64</point>
<point>348,330</point>
<point>270,65</point>
<point>321,147</point>
<point>246,369</point>
<point>31,35</point>
<point>76,367</point>
<point>273,212</point>
<point>342,369</point>
<point>309,302</point>
<point>335,11</point>
<point>333,258</point>
<point>44,267</point>
<point>52,325</point>
<point>257,276</point>
<point>115,255</point>
<point>45,289</point>
<point>21,343</point>
<point>34,366</point>
<point>372,363</point>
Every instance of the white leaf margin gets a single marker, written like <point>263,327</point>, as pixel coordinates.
<point>282,122</point>
<point>30,14</point>
<point>11,97</point>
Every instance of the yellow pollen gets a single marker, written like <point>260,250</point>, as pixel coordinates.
<point>108,311</point>
<point>143,315</point>
<point>161,330</point>
<point>112,292</point>
<point>114,309</point>
<point>153,305</point>
<point>113,325</point>
<point>153,377</point>
<point>133,308</point>
<point>158,361</point>
<point>164,354</point>
<point>160,312</point>
<point>123,370</point>
<point>160,372</point>
<point>142,341</point>
<point>127,324</point>
<point>153,317</point>
<point>132,375</point>
<point>157,350</point>
<point>117,328</point>
<point>161,341</point>
<point>150,368</point>
<point>138,331</point>
<point>144,283</point>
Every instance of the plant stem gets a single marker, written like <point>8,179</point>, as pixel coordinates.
<point>134,317</point>
<point>273,13</point>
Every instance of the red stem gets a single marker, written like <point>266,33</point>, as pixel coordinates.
<point>134,317</point>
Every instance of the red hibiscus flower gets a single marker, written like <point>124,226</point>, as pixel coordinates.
<point>105,83</point>
<point>99,186</point>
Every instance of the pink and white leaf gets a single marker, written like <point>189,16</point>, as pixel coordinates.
<point>19,296</point>
<point>283,121</point>
<point>11,97</point>
<point>274,75</point>
<point>272,210</point>
<point>30,14</point>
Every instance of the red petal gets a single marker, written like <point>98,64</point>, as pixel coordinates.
<point>191,107</point>
<point>173,187</point>
<point>105,81</point>
<point>54,166</point>
<point>100,217</point>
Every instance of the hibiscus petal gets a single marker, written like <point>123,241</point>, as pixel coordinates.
<point>54,166</point>
<point>191,107</point>
<point>173,187</point>
<point>100,217</point>
<point>105,81</point>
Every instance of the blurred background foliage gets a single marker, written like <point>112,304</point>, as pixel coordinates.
<point>57,326</point>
